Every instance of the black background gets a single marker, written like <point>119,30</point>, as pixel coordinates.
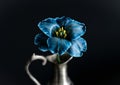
<point>18,26</point>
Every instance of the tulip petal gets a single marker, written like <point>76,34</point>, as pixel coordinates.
<point>62,21</point>
<point>48,26</point>
<point>75,29</point>
<point>78,47</point>
<point>41,41</point>
<point>57,45</point>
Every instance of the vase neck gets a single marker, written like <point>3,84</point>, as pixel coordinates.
<point>60,75</point>
<point>61,70</point>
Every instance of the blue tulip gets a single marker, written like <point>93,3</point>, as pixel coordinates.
<point>61,35</point>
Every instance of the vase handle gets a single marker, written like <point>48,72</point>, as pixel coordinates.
<point>35,57</point>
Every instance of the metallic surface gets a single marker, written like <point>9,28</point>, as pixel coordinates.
<point>60,72</point>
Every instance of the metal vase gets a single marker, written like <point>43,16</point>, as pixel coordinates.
<point>60,75</point>
<point>60,70</point>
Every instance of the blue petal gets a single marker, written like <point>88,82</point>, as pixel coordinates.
<point>57,45</point>
<point>78,47</point>
<point>41,41</point>
<point>48,26</point>
<point>62,21</point>
<point>75,29</point>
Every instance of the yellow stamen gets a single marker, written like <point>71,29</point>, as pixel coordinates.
<point>56,33</point>
<point>61,33</point>
<point>65,35</point>
<point>62,29</point>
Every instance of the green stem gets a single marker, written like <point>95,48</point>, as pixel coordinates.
<point>58,58</point>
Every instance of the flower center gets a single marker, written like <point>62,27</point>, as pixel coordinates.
<point>61,33</point>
